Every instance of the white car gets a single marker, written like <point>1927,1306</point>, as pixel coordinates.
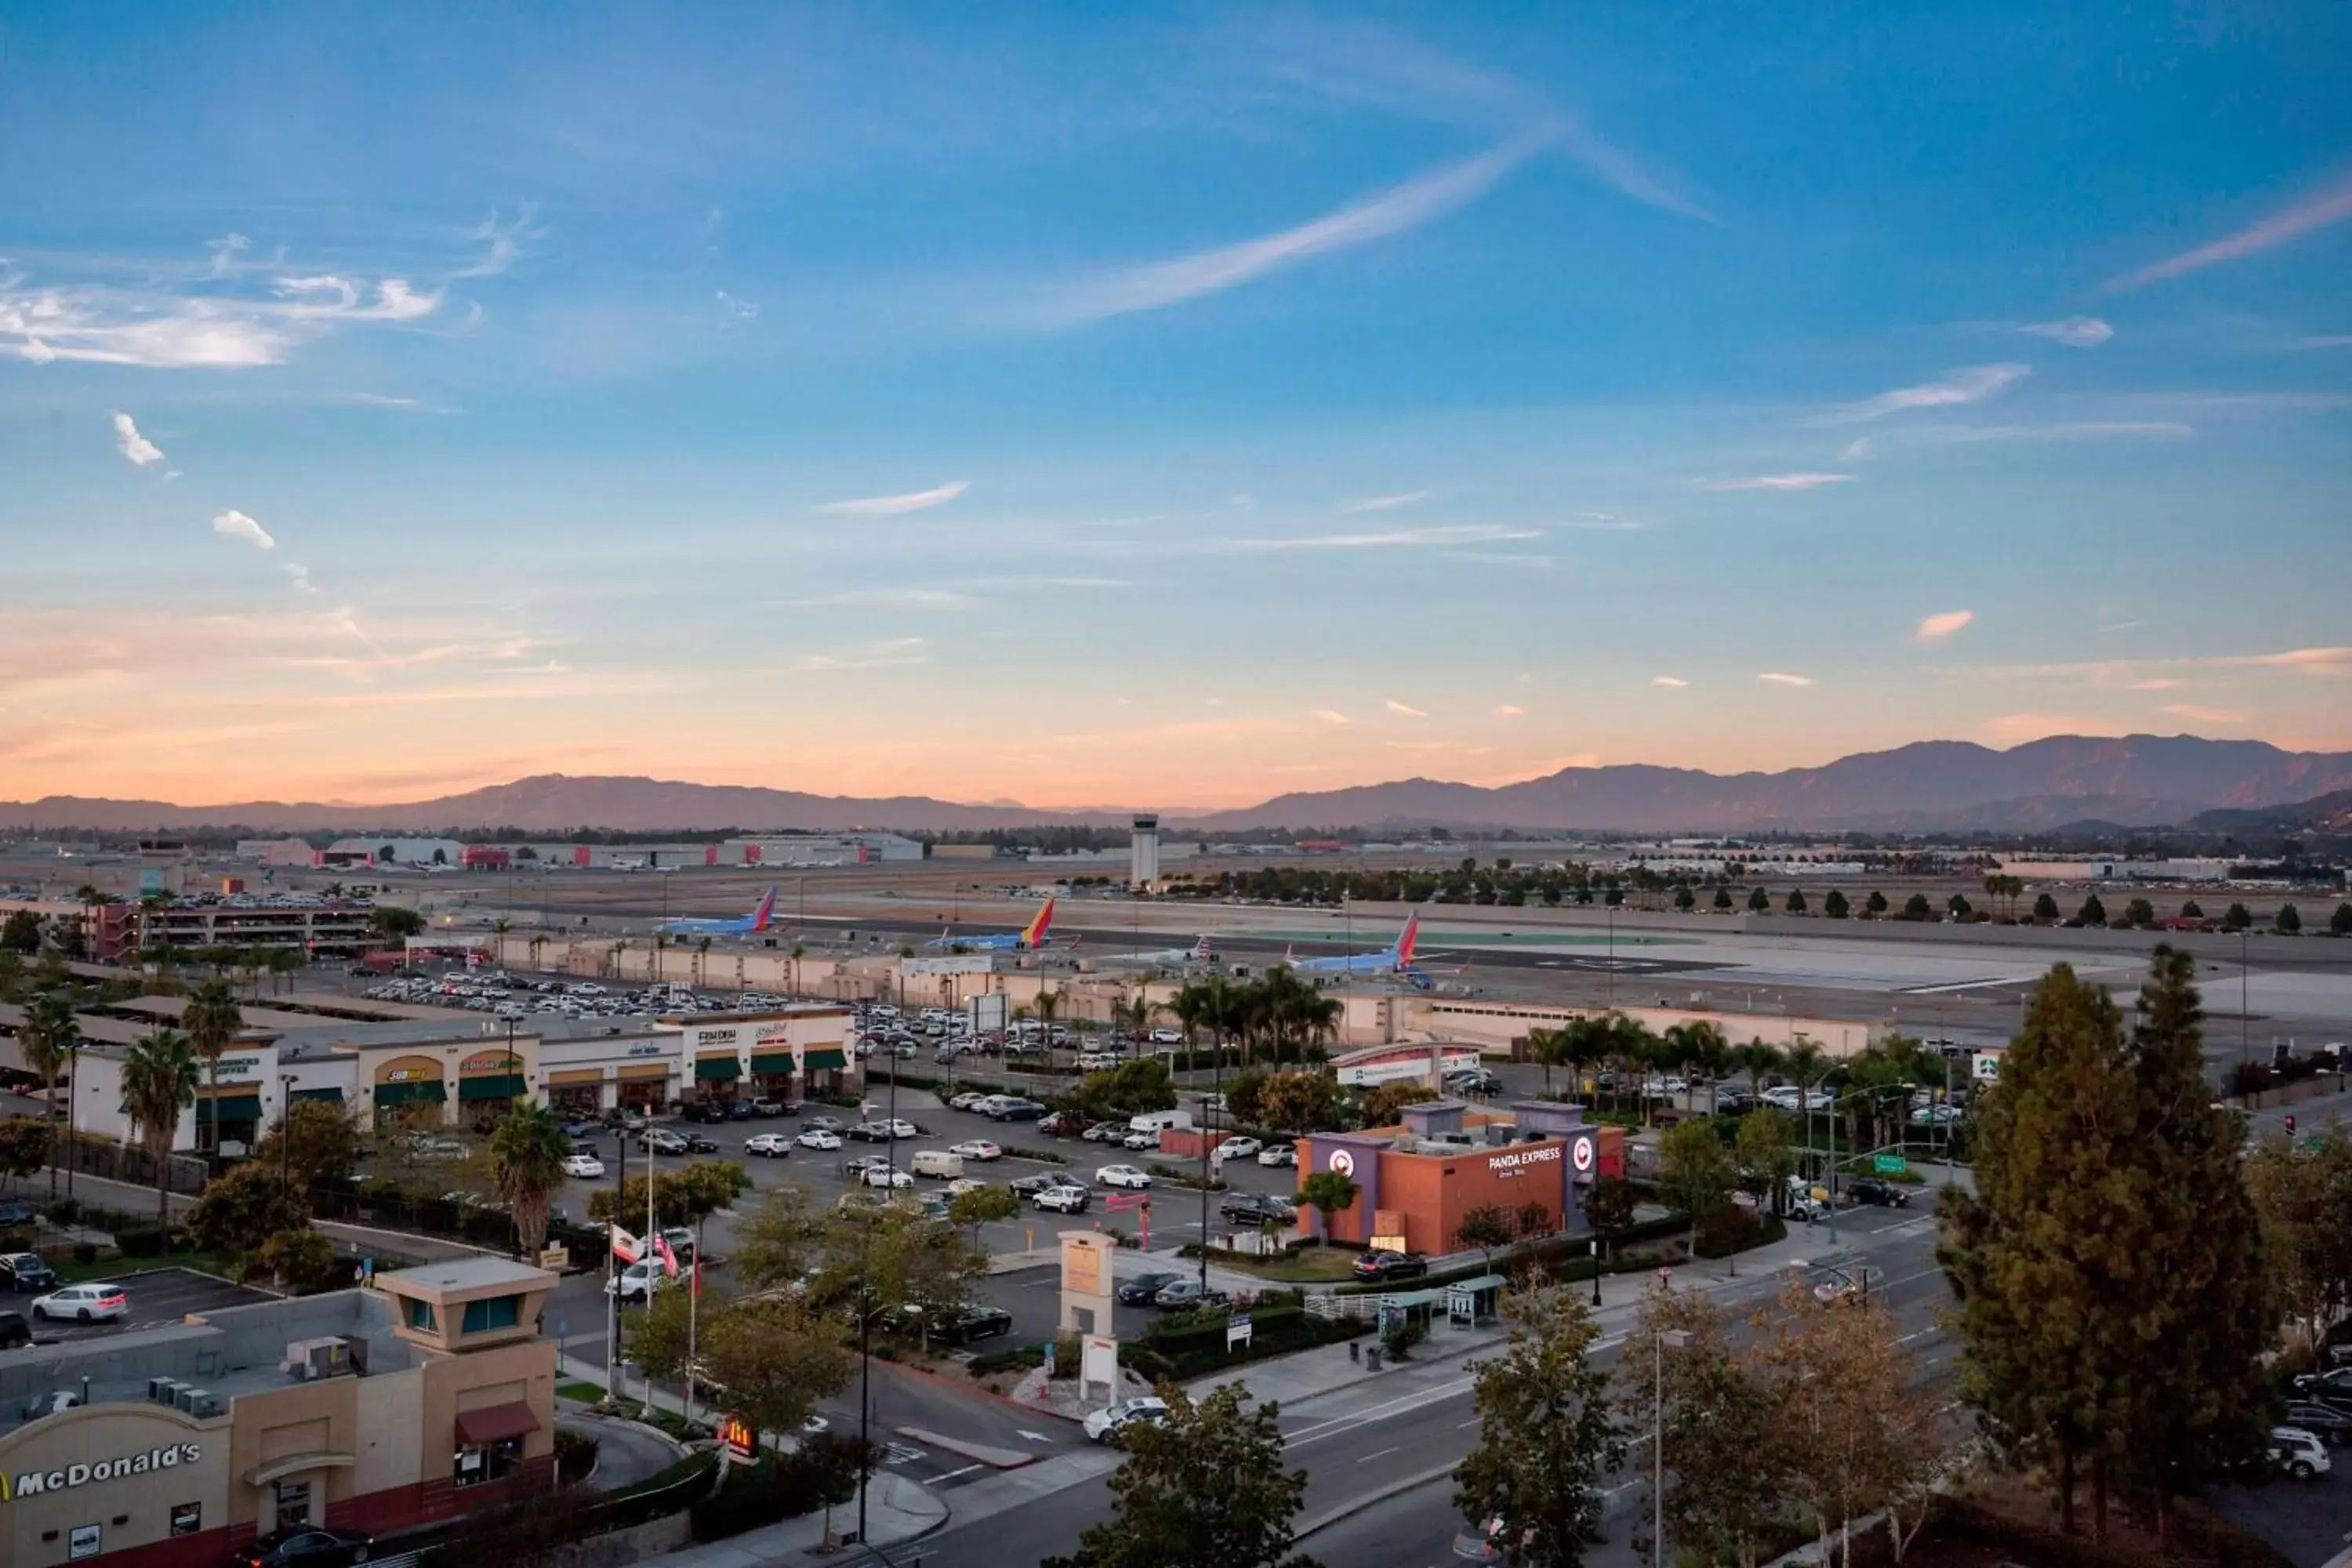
<point>2299,1452</point>
<point>1104,1425</point>
<point>818,1137</point>
<point>83,1304</point>
<point>1057,1199</point>
<point>1141,1139</point>
<point>1937,1116</point>
<point>1238,1149</point>
<point>770,1145</point>
<point>1121,1176</point>
<point>638,1282</point>
<point>963,1184</point>
<point>886,1176</point>
<point>584,1165</point>
<point>1096,1061</point>
<point>1275,1155</point>
<point>1166,1036</point>
<point>966,1100</point>
<point>978,1148</point>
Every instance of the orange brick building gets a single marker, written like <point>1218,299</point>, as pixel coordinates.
<point>1415,1181</point>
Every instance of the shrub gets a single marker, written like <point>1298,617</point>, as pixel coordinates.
<point>139,1241</point>
<point>1402,1335</point>
<point>781,1486</point>
<point>1068,1349</point>
<point>64,1211</point>
<point>84,1252</point>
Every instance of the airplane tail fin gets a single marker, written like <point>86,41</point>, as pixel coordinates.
<point>1034,936</point>
<point>761,916</point>
<point>1202,952</point>
<point>1407,937</point>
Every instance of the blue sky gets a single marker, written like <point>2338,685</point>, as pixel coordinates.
<point>1166,405</point>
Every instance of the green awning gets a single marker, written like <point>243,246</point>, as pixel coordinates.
<point>718,1069</point>
<point>495,1086</point>
<point>825,1059</point>
<point>428,1091</point>
<point>765,1062</point>
<point>229,1108</point>
<point>331,1096</point>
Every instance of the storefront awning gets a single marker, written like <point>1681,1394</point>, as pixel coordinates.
<point>765,1062</point>
<point>229,1108</point>
<point>825,1059</point>
<point>429,1091</point>
<point>494,1424</point>
<point>333,1096</point>
<point>718,1068</point>
<point>493,1086</point>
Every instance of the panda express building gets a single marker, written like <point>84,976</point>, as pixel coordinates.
<point>370,1410</point>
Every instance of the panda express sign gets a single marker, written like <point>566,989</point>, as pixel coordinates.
<point>31,1483</point>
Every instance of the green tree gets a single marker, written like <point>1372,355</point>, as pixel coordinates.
<point>773,1359</point>
<point>982,1206</point>
<point>1874,905</point>
<point>2340,923</point>
<point>1244,1096</point>
<point>242,1208</point>
<point>393,924</point>
<point>1203,1487</point>
<point>2287,922</point>
<point>1329,1194</point>
<point>1485,1227</point>
<point>212,1020</point>
<point>24,1146</point>
<point>1917,908</point>
<point>1835,905</point>
<point>1609,1204</point>
<point>1695,1171</point>
<point>1685,899</point>
<point>21,931</point>
<point>2190,912</point>
<point>1546,1432</point>
<point>663,1337</point>
<point>1796,905</point>
<point>302,1261</point>
<point>47,1038</point>
<point>1127,1089</point>
<point>881,1256</point>
<point>778,1243</point>
<point>1757,1058</point>
<point>1724,1458</point>
<point>2139,914</point>
<point>1534,1218</point>
<point>1723,898</point>
<point>2236,918</point>
<point>2303,1190</point>
<point>2093,912</point>
<point>322,1142</point>
<point>1958,906</point>
<point>159,1084</point>
<point>1299,1102</point>
<point>1383,1105</point>
<point>1764,1155</point>
<point>1758,900</point>
<point>528,1148</point>
<point>2045,908</point>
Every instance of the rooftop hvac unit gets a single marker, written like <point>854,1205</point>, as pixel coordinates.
<point>309,1360</point>
<point>197,1402</point>
<point>163,1390</point>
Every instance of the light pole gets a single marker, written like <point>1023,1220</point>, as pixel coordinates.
<point>1665,1339</point>
<point>285,1129</point>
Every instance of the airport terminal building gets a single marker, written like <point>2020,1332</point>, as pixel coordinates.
<point>415,1400</point>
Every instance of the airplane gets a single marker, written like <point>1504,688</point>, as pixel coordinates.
<point>749,925</point>
<point>1397,960</point>
<point>1028,939</point>
<point>1200,952</point>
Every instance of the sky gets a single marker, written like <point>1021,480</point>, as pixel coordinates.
<point>1159,405</point>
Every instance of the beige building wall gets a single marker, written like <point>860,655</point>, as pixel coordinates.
<point>133,1510</point>
<point>1495,1024</point>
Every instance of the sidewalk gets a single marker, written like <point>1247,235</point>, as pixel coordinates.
<point>896,1511</point>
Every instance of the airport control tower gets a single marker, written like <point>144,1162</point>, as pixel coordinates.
<point>1143,853</point>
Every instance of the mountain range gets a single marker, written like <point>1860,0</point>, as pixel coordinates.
<point>2132,779</point>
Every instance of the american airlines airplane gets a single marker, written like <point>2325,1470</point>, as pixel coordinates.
<point>1397,960</point>
<point>749,925</point>
<point>1200,952</point>
<point>1028,939</point>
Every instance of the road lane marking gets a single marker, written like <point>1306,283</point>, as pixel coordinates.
<point>953,1474</point>
<point>1368,1458</point>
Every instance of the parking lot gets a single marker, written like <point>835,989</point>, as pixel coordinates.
<point>158,1297</point>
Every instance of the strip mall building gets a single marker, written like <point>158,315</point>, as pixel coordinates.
<point>415,1400</point>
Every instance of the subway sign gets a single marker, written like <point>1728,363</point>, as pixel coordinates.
<point>33,1483</point>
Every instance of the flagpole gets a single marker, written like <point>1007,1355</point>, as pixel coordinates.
<point>647,1251</point>
<point>612,1270</point>
<point>693,1308</point>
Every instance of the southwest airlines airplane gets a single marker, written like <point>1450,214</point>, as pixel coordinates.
<point>749,925</point>
<point>1028,939</point>
<point>1397,960</point>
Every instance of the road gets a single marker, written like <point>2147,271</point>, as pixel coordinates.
<point>1383,1432</point>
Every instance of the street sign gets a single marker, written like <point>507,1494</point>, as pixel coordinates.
<point>1890,1164</point>
<point>1237,1330</point>
<point>741,1441</point>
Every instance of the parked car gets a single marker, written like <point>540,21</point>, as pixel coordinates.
<point>586,1167</point>
<point>639,1281</point>
<point>2325,1421</point>
<point>818,1137</point>
<point>2333,1386</point>
<point>1278,1154</point>
<point>966,1100</point>
<point>15,1333</point>
<point>1239,1149</point>
<point>1121,1176</point>
<point>1062,1123</point>
<point>1257,1208</point>
<point>768,1145</point>
<point>1182,1295</point>
<point>978,1323</point>
<point>83,1304</point>
<point>977,1149</point>
<point>696,1144</point>
<point>887,1177</point>
<point>1105,1132</point>
<point>1105,1426</point>
<point>22,1271</point>
<point>1139,1290</point>
<point>662,1141</point>
<point>1017,1111</point>
<point>740,1110</point>
<point>308,1547</point>
<point>1390,1265</point>
<point>1058,1199</point>
<point>1937,1116</point>
<point>824,1123</point>
<point>582,1127</point>
<point>1031,1185</point>
<point>1868,1190</point>
<point>2299,1453</point>
<point>963,1184</point>
<point>709,1111</point>
<point>764,1107</point>
<point>1140,1139</point>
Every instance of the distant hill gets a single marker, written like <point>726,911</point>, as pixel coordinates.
<point>2330,813</point>
<point>2136,780</point>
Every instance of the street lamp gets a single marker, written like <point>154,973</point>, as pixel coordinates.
<point>1664,1341</point>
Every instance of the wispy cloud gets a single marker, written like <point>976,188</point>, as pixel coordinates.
<point>1777,482</point>
<point>2139,673</point>
<point>224,252</point>
<point>1406,709</point>
<point>888,598</point>
<point>1674,681</point>
<point>2123,625</point>
<point>1332,716</point>
<point>1866,447</point>
<point>2313,341</point>
<point>1385,504</point>
<point>234,524</point>
<point>2157,683</point>
<point>1396,539</point>
<point>1511,710</point>
<point>1604,522</point>
<point>299,576</point>
<point>158,330</point>
<point>1782,677</point>
<point>1942,626</point>
<point>893,505</point>
<point>132,445</point>
<point>1970,383</point>
<point>1394,211</point>
<point>2330,205</point>
<point>883,654</point>
<point>505,242</point>
<point>2196,713</point>
<point>2074,331</point>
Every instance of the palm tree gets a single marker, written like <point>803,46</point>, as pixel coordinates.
<point>159,1084</point>
<point>47,1038</point>
<point>1192,1007</point>
<point>1705,1050</point>
<point>1756,1058</point>
<point>527,1149</point>
<point>1047,1004</point>
<point>212,1020</point>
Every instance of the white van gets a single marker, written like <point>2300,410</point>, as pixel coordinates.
<point>1159,1121</point>
<point>936,1163</point>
